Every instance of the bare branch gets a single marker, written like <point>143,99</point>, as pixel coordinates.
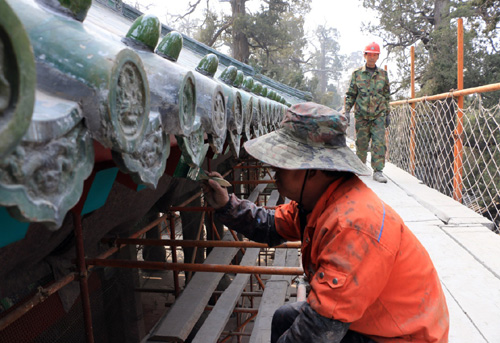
<point>191,9</point>
<point>219,32</point>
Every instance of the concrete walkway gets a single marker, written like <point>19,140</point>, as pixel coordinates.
<point>465,252</point>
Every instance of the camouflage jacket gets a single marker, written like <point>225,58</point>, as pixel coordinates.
<point>369,92</point>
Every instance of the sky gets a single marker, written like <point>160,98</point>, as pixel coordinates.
<point>344,15</point>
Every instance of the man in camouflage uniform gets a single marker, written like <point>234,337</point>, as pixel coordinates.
<point>371,279</point>
<point>369,94</point>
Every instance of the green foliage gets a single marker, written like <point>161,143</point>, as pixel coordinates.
<point>331,97</point>
<point>276,42</point>
<point>439,74</point>
<point>431,28</point>
<point>208,30</point>
<point>326,61</point>
<point>276,39</point>
<point>481,151</point>
<point>274,35</point>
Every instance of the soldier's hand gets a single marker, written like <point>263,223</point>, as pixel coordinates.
<point>387,120</point>
<point>215,195</point>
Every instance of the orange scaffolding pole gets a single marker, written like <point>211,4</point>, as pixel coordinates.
<point>40,296</point>
<point>456,93</point>
<point>458,146</point>
<point>386,132</point>
<point>413,123</point>
<point>197,243</point>
<point>195,267</point>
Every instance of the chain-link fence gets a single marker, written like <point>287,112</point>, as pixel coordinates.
<point>424,139</point>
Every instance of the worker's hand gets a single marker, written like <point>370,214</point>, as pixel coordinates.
<point>387,120</point>
<point>215,195</point>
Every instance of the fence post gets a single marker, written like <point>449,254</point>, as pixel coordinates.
<point>412,119</point>
<point>387,133</point>
<point>458,146</point>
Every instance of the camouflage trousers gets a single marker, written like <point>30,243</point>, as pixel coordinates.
<point>374,130</point>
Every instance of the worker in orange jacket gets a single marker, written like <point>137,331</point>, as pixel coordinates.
<point>371,279</point>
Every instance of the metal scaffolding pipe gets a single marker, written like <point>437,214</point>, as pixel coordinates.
<point>235,237</point>
<point>252,182</point>
<point>237,309</point>
<point>197,195</point>
<point>240,327</point>
<point>457,135</point>
<point>244,294</point>
<point>174,255</point>
<point>41,295</point>
<point>195,267</point>
<point>83,276</point>
<point>190,200</point>
<point>191,209</point>
<point>111,251</point>
<point>482,89</point>
<point>154,290</point>
<point>251,167</point>
<point>197,243</point>
<point>413,122</point>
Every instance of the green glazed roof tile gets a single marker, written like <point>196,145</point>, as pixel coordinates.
<point>208,65</point>
<point>238,80</point>
<point>264,91</point>
<point>257,87</point>
<point>248,83</point>
<point>229,75</point>
<point>146,30</point>
<point>170,46</point>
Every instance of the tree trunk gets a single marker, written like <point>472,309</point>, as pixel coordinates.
<point>441,11</point>
<point>241,50</point>
<point>444,126</point>
<point>322,75</point>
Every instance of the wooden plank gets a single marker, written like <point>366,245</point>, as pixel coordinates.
<point>462,329</point>
<point>395,196</point>
<point>288,258</point>
<point>219,316</point>
<point>273,198</point>
<point>469,283</point>
<point>259,189</point>
<point>187,309</point>
<point>480,242</point>
<point>274,296</point>
<point>444,207</point>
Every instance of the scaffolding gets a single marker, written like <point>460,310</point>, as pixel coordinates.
<point>450,141</point>
<point>249,176</point>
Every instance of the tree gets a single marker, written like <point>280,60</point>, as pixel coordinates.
<point>216,26</point>
<point>211,26</point>
<point>272,39</point>
<point>327,63</point>
<point>277,40</point>
<point>430,25</point>
<point>240,45</point>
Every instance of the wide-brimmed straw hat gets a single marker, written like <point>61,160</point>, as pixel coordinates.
<point>311,136</point>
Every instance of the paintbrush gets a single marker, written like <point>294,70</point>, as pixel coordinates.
<point>204,176</point>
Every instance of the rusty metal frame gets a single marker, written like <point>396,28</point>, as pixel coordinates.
<point>84,265</point>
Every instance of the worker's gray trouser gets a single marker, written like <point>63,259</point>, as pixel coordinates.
<point>285,316</point>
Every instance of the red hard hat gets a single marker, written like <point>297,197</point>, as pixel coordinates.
<point>372,48</point>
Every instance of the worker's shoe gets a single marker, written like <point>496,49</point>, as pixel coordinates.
<point>379,177</point>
